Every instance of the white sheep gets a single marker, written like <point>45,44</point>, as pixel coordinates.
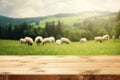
<point>105,37</point>
<point>29,40</point>
<point>58,41</point>
<point>65,40</point>
<point>22,41</point>
<point>38,40</point>
<point>99,39</point>
<point>46,40</point>
<point>83,40</point>
<point>52,39</point>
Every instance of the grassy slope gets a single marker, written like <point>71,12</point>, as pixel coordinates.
<point>73,19</point>
<point>12,47</point>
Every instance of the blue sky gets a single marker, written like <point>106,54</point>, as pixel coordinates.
<point>33,8</point>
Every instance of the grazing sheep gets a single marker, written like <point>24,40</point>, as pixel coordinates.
<point>99,39</point>
<point>119,36</point>
<point>106,37</point>
<point>22,41</point>
<point>38,40</point>
<point>46,40</point>
<point>52,39</point>
<point>58,41</point>
<point>83,40</point>
<point>65,40</point>
<point>29,41</point>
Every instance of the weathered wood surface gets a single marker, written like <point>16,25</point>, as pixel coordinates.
<point>59,65</point>
<point>60,77</point>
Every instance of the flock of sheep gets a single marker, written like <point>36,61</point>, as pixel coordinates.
<point>102,38</point>
<point>41,41</point>
<point>97,39</point>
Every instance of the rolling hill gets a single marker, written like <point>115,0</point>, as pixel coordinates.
<point>66,18</point>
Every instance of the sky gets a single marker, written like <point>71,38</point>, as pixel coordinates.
<point>34,8</point>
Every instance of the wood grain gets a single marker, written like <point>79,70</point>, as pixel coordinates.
<point>59,65</point>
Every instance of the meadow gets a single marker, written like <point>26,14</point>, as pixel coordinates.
<point>13,47</point>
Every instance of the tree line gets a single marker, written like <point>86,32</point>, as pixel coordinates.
<point>24,29</point>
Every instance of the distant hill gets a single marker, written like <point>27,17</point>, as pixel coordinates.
<point>67,18</point>
<point>71,18</point>
<point>7,20</point>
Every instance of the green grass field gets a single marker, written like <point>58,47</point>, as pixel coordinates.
<point>13,47</point>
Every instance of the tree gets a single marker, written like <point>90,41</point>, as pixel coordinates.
<point>47,30</point>
<point>101,32</point>
<point>85,34</point>
<point>118,16</point>
<point>0,32</point>
<point>59,29</point>
<point>10,32</point>
<point>53,29</point>
<point>117,25</point>
<point>117,29</point>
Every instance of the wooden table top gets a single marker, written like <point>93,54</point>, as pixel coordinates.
<point>59,65</point>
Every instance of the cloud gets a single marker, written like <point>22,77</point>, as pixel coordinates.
<point>4,4</point>
<point>32,8</point>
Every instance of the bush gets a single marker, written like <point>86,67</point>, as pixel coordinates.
<point>75,35</point>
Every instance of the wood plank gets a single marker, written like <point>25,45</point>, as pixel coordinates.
<point>60,77</point>
<point>59,65</point>
<point>65,77</point>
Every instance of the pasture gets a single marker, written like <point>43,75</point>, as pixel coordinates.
<point>13,47</point>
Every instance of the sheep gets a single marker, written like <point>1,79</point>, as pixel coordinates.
<point>22,41</point>
<point>52,39</point>
<point>38,40</point>
<point>46,40</point>
<point>105,37</point>
<point>58,41</point>
<point>29,41</point>
<point>83,40</point>
<point>65,40</point>
<point>99,39</point>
